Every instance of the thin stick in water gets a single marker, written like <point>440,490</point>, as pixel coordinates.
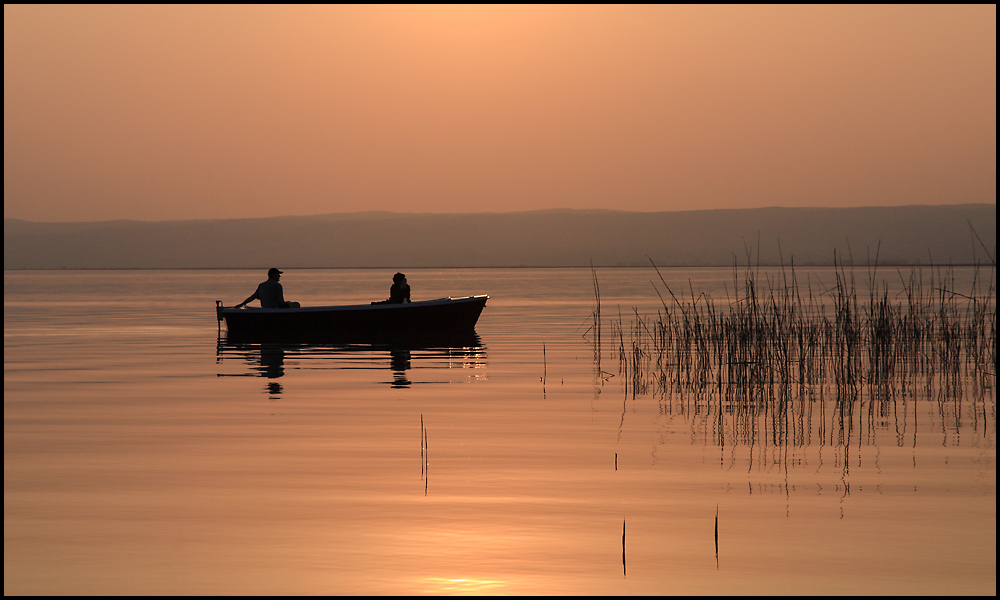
<point>623,549</point>
<point>716,536</point>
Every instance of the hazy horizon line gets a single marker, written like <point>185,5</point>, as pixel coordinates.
<point>807,236</point>
<point>374,213</point>
<point>742,265</point>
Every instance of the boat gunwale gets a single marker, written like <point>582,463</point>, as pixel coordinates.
<point>355,307</point>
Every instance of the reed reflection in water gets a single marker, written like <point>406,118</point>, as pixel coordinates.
<point>769,371</point>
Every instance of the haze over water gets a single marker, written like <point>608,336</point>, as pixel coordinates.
<point>144,454</point>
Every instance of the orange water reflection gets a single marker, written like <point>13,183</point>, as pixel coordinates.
<point>461,586</point>
<point>152,461</point>
<point>269,360</point>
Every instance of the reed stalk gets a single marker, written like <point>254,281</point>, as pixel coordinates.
<point>771,337</point>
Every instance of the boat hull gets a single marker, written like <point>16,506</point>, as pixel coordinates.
<point>430,319</point>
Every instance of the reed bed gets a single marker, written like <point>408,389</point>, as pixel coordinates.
<point>776,334</point>
<point>785,363</point>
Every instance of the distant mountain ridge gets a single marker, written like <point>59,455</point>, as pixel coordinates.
<point>809,236</point>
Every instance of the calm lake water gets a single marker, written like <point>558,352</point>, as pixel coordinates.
<point>145,454</point>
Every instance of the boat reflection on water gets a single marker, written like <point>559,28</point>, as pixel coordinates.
<point>273,360</point>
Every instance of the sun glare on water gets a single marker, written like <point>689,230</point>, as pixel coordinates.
<point>444,585</point>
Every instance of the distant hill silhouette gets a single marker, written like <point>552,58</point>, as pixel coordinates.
<point>810,236</point>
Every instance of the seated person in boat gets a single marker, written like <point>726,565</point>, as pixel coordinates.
<point>270,293</point>
<point>399,292</point>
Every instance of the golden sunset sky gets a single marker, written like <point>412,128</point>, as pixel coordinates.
<point>191,112</point>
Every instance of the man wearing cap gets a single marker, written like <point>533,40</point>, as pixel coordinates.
<point>270,293</point>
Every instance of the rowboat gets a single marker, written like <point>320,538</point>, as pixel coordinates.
<point>444,317</point>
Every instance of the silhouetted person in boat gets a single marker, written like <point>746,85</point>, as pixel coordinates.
<point>399,292</point>
<point>270,293</point>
